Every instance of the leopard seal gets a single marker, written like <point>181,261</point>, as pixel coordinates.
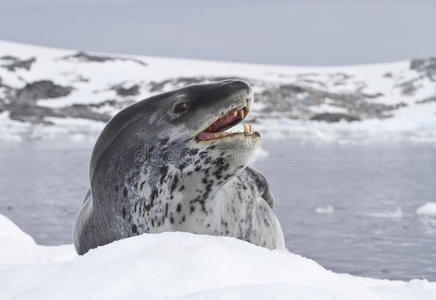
<point>166,163</point>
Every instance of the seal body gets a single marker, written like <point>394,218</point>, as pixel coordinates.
<point>166,164</point>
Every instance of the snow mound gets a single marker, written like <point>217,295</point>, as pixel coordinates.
<point>180,265</point>
<point>428,209</point>
<point>19,248</point>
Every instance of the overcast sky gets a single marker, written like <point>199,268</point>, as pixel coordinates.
<point>294,32</point>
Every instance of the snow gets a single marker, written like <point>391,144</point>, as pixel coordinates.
<point>414,122</point>
<point>325,210</point>
<point>428,209</point>
<point>179,265</point>
<point>395,214</point>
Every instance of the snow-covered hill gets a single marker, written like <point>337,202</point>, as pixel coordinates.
<point>45,90</point>
<point>179,265</point>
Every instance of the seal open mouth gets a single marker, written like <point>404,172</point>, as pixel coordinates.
<point>232,118</point>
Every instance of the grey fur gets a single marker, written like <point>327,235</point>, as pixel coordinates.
<point>149,174</point>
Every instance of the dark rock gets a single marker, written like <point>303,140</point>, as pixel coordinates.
<point>31,114</point>
<point>427,100</point>
<point>425,66</point>
<point>334,117</point>
<point>37,114</point>
<point>294,101</point>
<point>85,57</point>
<point>13,62</point>
<point>184,81</point>
<point>41,90</point>
<point>124,92</point>
<point>23,106</point>
<point>409,87</point>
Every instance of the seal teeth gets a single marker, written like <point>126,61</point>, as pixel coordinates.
<point>235,113</point>
<point>241,112</point>
<point>245,128</point>
<point>250,129</point>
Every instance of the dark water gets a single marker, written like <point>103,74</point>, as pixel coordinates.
<point>373,191</point>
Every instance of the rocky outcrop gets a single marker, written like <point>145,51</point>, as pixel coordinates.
<point>425,66</point>
<point>334,117</point>
<point>176,82</point>
<point>13,63</point>
<point>276,100</point>
<point>114,81</point>
<point>23,104</point>
<point>126,91</point>
<point>296,101</point>
<point>300,102</point>
<point>85,57</point>
<point>43,89</point>
<point>427,100</point>
<point>39,114</point>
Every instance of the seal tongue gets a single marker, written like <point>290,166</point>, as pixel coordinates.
<point>217,129</point>
<point>206,135</point>
<point>230,118</point>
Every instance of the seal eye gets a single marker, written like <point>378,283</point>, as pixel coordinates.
<point>181,107</point>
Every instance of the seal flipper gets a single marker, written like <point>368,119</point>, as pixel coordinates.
<point>262,185</point>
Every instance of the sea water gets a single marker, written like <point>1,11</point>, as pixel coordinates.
<point>352,207</point>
